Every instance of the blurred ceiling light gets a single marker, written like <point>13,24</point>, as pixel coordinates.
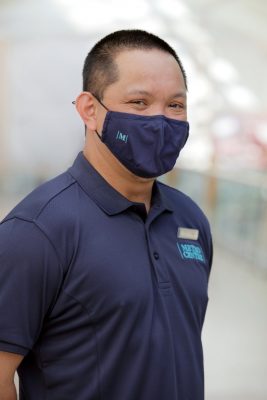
<point>88,16</point>
<point>241,97</point>
<point>223,71</point>
<point>261,132</point>
<point>190,31</point>
<point>204,53</point>
<point>202,113</point>
<point>226,126</point>
<point>154,25</point>
<point>197,154</point>
<point>199,88</point>
<point>172,8</point>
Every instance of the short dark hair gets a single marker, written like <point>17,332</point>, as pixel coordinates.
<point>100,70</point>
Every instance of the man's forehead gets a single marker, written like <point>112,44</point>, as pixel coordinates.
<point>129,56</point>
<point>142,62</point>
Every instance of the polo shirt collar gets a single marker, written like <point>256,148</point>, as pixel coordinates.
<point>104,195</point>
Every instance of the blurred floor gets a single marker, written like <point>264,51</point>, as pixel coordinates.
<point>235,331</point>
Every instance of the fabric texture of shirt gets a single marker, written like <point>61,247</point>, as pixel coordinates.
<point>104,301</point>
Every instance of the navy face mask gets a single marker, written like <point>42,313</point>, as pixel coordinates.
<point>148,146</point>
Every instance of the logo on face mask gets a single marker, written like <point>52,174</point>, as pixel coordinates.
<point>121,136</point>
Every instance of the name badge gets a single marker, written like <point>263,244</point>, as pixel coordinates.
<point>187,233</point>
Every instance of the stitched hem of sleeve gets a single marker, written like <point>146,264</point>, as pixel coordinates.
<point>13,348</point>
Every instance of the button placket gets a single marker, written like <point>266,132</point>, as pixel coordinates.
<point>158,264</point>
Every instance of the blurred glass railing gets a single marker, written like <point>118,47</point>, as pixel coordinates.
<point>236,207</point>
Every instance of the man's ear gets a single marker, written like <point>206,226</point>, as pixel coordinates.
<point>86,108</point>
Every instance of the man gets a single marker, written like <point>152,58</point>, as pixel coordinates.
<point>103,269</point>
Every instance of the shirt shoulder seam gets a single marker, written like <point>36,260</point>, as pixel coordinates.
<point>51,198</point>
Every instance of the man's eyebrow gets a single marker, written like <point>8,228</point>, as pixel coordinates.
<point>139,91</point>
<point>179,94</point>
<point>146,93</point>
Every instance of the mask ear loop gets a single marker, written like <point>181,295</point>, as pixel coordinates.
<point>103,105</point>
<point>99,101</point>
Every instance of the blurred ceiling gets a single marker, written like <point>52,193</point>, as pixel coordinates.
<point>226,40</point>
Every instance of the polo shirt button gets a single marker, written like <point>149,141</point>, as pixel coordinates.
<point>156,255</point>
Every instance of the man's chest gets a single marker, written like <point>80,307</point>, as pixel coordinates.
<point>121,265</point>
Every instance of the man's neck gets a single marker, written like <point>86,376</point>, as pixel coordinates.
<point>133,188</point>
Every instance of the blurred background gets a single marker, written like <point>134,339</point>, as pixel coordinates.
<point>223,45</point>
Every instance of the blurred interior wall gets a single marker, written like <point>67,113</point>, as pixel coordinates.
<point>3,104</point>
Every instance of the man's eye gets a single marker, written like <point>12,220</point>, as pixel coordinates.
<point>138,102</point>
<point>177,106</point>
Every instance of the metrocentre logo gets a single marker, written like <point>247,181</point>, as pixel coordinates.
<point>191,252</point>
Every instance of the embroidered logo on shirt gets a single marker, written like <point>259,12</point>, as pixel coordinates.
<point>191,252</point>
<point>121,136</point>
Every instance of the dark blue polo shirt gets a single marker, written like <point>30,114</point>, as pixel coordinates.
<point>104,301</point>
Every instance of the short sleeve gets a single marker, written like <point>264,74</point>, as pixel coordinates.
<point>30,277</point>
